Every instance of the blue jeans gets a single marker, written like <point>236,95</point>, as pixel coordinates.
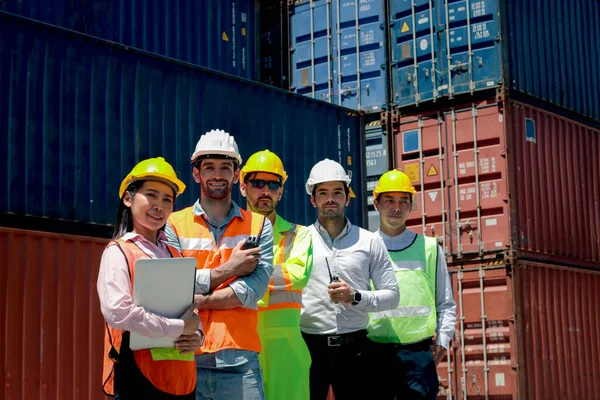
<point>241,382</point>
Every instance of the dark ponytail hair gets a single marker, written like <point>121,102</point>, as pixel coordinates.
<point>124,220</point>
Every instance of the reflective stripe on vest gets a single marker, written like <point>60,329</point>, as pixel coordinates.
<point>173,376</point>
<point>224,329</point>
<point>281,296</point>
<point>415,318</point>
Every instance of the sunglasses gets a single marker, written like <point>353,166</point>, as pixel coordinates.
<point>260,183</point>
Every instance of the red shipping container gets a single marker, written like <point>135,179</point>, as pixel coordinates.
<point>526,332</point>
<point>492,178</point>
<point>53,331</point>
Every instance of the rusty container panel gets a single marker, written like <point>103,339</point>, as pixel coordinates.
<point>524,331</point>
<point>52,333</point>
<point>555,184</point>
<point>491,178</point>
<point>559,336</point>
<point>456,160</point>
<point>482,355</point>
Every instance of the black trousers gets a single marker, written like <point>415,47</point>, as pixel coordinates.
<point>405,372</point>
<point>130,382</point>
<point>342,362</point>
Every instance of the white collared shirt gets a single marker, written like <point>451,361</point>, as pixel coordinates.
<point>356,256</point>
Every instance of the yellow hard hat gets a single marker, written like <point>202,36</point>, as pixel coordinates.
<point>394,181</point>
<point>264,161</point>
<point>154,169</point>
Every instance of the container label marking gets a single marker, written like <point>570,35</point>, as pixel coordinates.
<point>224,37</point>
<point>530,134</point>
<point>500,381</point>
<point>412,170</point>
<point>433,195</point>
<point>405,28</point>
<point>410,141</point>
<point>432,171</point>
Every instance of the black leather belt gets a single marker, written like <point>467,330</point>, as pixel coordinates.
<point>338,340</point>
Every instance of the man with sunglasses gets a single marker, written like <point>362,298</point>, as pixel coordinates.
<point>231,277</point>
<point>352,275</point>
<point>284,359</point>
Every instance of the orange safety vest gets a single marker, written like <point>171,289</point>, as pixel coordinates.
<point>223,329</point>
<point>175,377</point>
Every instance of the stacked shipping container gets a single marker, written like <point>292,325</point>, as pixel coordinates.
<point>93,109</point>
<point>210,33</point>
<point>78,112</point>
<point>342,51</point>
<point>492,110</point>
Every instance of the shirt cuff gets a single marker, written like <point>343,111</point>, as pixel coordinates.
<point>243,294</point>
<point>175,328</point>
<point>443,340</point>
<point>202,281</point>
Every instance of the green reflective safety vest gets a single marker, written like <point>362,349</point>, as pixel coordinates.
<point>415,318</point>
<point>285,359</point>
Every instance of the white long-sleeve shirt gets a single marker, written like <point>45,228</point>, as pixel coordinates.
<point>445,304</point>
<point>356,256</point>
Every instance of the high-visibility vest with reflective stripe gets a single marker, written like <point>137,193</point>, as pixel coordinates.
<point>171,376</point>
<point>415,318</point>
<point>281,294</point>
<point>224,329</point>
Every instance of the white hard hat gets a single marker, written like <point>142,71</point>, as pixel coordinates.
<point>217,142</point>
<point>326,171</point>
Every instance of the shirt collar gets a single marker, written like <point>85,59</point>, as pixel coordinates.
<point>136,236</point>
<point>323,232</point>
<point>234,212</point>
<point>404,235</point>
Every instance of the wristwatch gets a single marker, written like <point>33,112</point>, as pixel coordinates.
<point>356,297</point>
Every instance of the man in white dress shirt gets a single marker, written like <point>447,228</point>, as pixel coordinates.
<point>338,297</point>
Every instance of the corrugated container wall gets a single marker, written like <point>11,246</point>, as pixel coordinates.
<point>52,329</point>
<point>525,331</point>
<point>554,51</point>
<point>377,164</point>
<point>444,48</point>
<point>337,52</point>
<point>221,35</point>
<point>274,43</point>
<point>78,113</point>
<point>491,179</point>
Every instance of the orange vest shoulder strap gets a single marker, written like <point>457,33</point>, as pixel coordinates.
<point>257,224</point>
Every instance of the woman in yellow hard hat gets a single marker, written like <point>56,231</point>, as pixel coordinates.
<point>147,195</point>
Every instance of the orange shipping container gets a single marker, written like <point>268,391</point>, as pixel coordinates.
<point>493,177</point>
<point>52,333</point>
<point>529,331</point>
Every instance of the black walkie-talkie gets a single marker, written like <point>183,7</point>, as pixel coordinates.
<point>251,243</point>
<point>332,278</point>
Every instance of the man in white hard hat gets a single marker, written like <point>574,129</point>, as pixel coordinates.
<point>234,249</point>
<point>338,297</point>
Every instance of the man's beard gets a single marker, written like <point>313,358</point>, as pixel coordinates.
<point>217,194</point>
<point>331,213</point>
<point>262,208</point>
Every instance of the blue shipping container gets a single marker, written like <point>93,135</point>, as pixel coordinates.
<point>77,113</point>
<point>337,52</point>
<point>444,48</point>
<point>220,35</point>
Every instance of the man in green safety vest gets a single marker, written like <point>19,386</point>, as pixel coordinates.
<point>285,359</point>
<point>407,360</point>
